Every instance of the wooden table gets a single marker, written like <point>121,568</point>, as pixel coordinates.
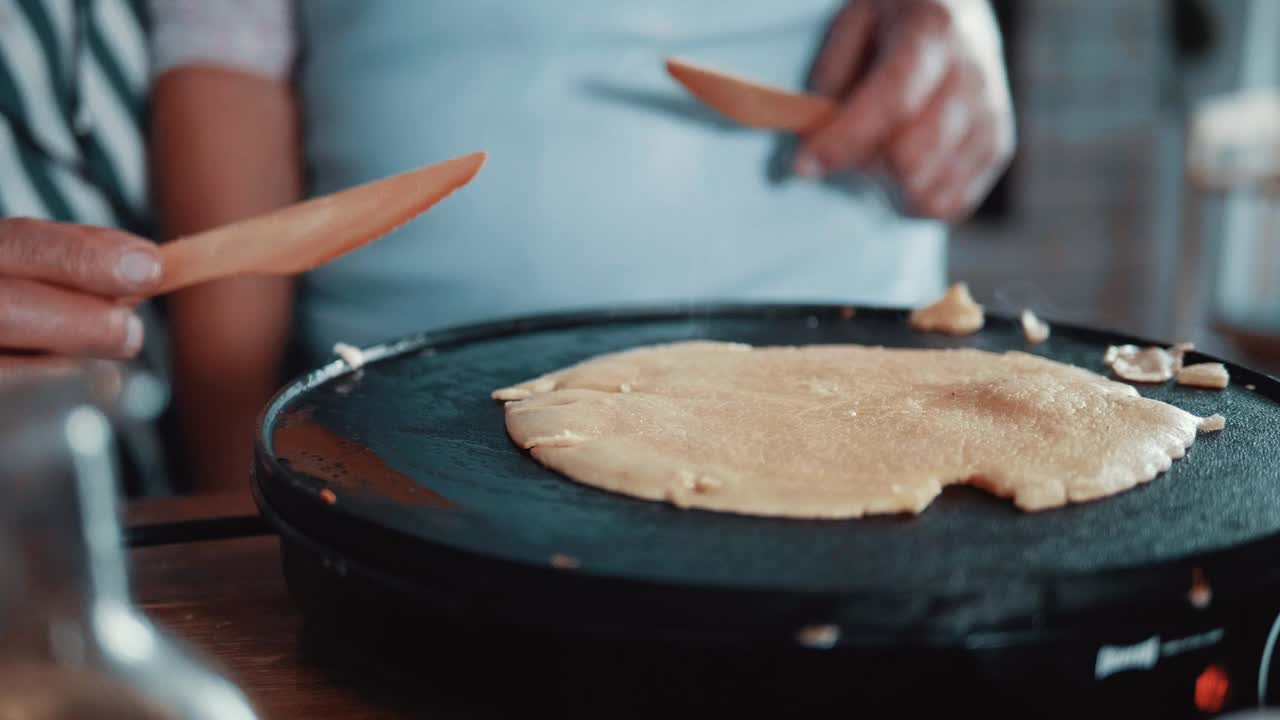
<point>206,569</point>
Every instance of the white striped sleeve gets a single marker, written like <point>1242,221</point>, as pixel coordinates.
<point>114,126</point>
<point>62,16</point>
<point>255,36</point>
<point>124,37</point>
<point>88,205</point>
<point>21,52</point>
<point>18,197</point>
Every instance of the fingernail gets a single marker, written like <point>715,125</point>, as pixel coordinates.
<point>138,268</point>
<point>133,335</point>
<point>807,166</point>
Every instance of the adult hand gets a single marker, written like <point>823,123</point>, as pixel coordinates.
<point>922,89</point>
<point>59,290</point>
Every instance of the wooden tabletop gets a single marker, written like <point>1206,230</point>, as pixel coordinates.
<point>227,599</point>
<point>209,571</point>
<point>223,593</point>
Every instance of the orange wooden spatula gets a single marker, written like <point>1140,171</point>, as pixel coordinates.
<point>751,103</point>
<point>300,237</point>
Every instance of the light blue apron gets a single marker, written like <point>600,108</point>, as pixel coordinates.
<point>606,184</point>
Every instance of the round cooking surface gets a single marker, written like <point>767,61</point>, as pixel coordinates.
<point>412,446</point>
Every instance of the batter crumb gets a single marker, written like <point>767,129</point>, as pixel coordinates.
<point>1178,352</point>
<point>1113,353</point>
<point>624,388</point>
<point>955,313</point>
<point>1250,387</point>
<point>512,393</point>
<point>1135,364</point>
<point>1213,423</point>
<point>1200,594</point>
<point>819,637</point>
<point>1034,329</point>
<point>350,353</point>
<point>1205,375</point>
<point>561,561</point>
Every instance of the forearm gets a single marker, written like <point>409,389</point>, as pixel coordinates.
<point>224,147</point>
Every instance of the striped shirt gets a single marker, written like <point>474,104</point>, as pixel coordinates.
<point>73,79</point>
<point>73,83</point>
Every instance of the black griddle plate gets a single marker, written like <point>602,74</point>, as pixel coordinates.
<point>433,500</point>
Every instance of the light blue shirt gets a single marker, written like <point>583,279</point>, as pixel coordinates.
<point>606,183</point>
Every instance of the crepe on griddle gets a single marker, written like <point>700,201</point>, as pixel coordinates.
<point>837,431</point>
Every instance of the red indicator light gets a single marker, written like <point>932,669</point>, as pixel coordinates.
<point>1211,689</point>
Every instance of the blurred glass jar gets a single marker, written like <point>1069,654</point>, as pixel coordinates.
<point>1230,259</point>
<point>72,645</point>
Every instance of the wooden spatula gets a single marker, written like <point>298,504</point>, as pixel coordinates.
<point>300,237</point>
<point>751,103</point>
